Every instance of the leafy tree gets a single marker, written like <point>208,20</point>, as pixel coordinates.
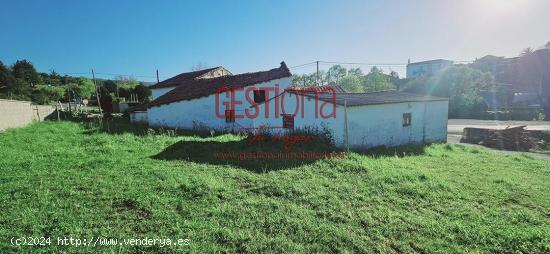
<point>376,81</point>
<point>355,71</point>
<point>44,94</point>
<point>127,83</point>
<point>53,78</point>
<point>460,83</point>
<point>352,83</point>
<point>25,78</point>
<point>110,85</point>
<point>125,86</point>
<point>24,70</point>
<point>6,79</point>
<point>307,79</point>
<point>336,73</point>
<point>143,92</point>
<point>83,88</point>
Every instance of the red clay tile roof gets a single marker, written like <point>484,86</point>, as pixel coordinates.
<point>179,79</point>
<point>196,88</point>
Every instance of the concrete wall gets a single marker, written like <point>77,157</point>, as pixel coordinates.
<point>306,116</point>
<point>382,125</point>
<point>138,117</point>
<point>201,112</point>
<point>368,126</point>
<point>42,112</point>
<point>15,114</point>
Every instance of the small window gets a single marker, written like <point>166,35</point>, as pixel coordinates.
<point>230,116</point>
<point>407,119</point>
<point>288,121</point>
<point>259,96</point>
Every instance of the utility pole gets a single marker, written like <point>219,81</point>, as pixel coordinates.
<point>317,72</point>
<point>346,136</point>
<point>158,76</point>
<point>96,93</point>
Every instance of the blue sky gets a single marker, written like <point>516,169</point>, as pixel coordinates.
<point>138,37</point>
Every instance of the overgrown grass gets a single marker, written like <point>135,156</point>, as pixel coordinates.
<point>64,179</point>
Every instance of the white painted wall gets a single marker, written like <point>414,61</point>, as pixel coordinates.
<point>371,125</point>
<point>160,91</point>
<point>382,125</point>
<point>307,119</point>
<point>201,112</point>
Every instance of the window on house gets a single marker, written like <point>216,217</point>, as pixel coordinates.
<point>230,116</point>
<point>407,117</point>
<point>288,121</point>
<point>259,96</point>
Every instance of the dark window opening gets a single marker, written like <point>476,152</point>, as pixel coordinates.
<point>407,118</point>
<point>288,121</point>
<point>230,116</point>
<point>259,96</point>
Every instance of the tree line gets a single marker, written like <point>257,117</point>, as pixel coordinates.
<point>460,83</point>
<point>21,81</point>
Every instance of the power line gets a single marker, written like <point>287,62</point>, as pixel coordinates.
<point>361,63</point>
<point>109,74</point>
<point>302,65</point>
<point>74,73</point>
<point>129,75</point>
<point>388,65</point>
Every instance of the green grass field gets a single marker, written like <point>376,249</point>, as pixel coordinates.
<point>61,179</point>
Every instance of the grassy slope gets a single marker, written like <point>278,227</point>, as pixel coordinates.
<point>63,179</point>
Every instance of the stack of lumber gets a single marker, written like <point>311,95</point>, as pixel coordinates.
<point>511,138</point>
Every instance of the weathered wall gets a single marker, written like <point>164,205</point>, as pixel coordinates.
<point>368,126</point>
<point>138,117</point>
<point>15,114</point>
<point>42,112</point>
<point>201,112</point>
<point>382,125</point>
<point>308,115</point>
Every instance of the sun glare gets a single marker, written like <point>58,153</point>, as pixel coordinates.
<point>502,6</point>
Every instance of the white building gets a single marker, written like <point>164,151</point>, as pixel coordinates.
<point>266,100</point>
<point>364,120</point>
<point>427,68</point>
<point>192,103</point>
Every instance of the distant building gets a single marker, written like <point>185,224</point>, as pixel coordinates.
<point>427,68</point>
